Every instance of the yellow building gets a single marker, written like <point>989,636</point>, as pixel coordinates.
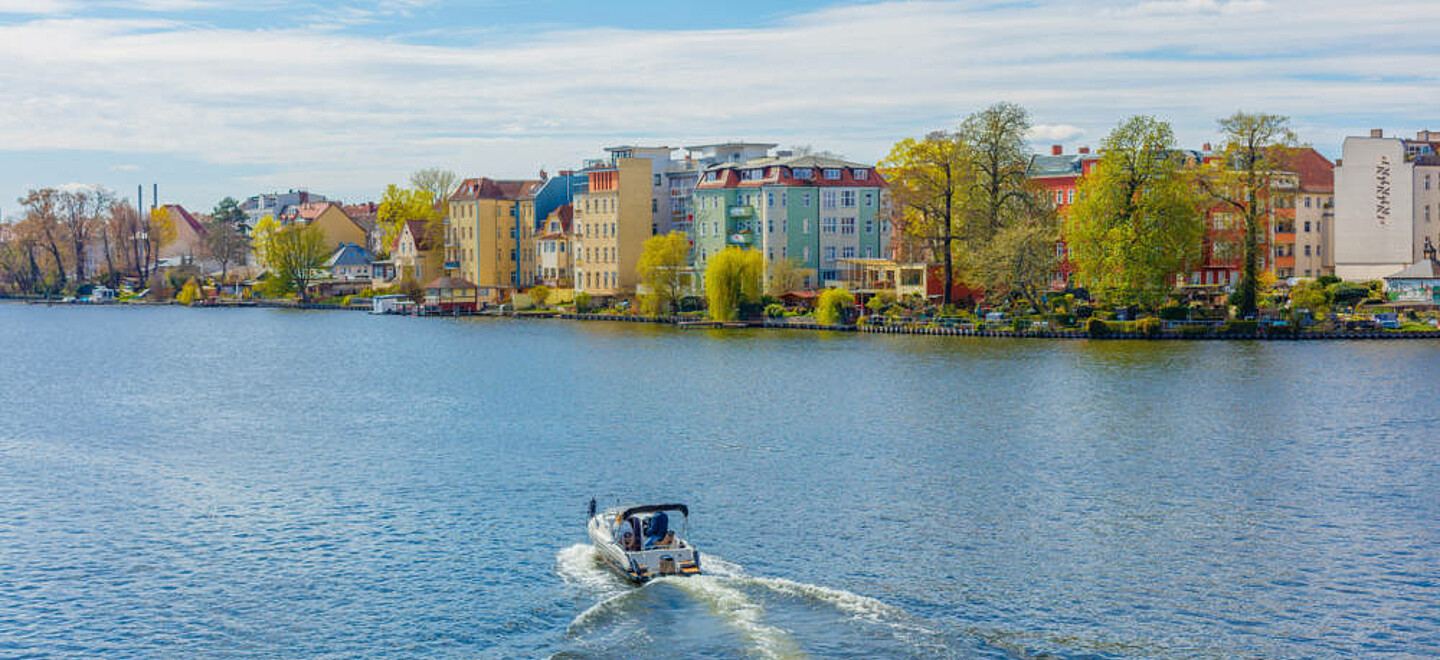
<point>336,224</point>
<point>481,235</point>
<point>413,255</point>
<point>553,245</point>
<point>612,220</point>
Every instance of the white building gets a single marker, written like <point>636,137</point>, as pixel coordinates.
<point>1387,202</point>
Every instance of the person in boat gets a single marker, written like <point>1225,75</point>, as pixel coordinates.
<point>668,541</point>
<point>629,541</point>
<point>657,530</point>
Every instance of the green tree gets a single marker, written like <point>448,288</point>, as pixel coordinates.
<point>401,205</point>
<point>1136,224</point>
<point>1347,294</point>
<point>732,279</point>
<point>228,211</point>
<point>784,277</point>
<point>1310,295</point>
<point>926,179</point>
<point>662,270</point>
<point>539,293</point>
<point>295,255</point>
<point>998,192</point>
<point>830,308</point>
<point>1019,261</point>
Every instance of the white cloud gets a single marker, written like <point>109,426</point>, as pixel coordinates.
<point>35,6</point>
<point>335,109</point>
<point>125,167</point>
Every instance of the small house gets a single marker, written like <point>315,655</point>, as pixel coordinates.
<point>449,295</point>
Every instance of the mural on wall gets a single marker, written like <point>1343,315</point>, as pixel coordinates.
<point>1382,191</point>
<point>1413,290</point>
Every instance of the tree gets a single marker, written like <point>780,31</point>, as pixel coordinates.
<point>226,244</point>
<point>998,192</point>
<point>1310,295</point>
<point>190,293</point>
<point>1347,294</point>
<point>662,264</point>
<point>228,211</point>
<point>926,178</point>
<point>539,293</point>
<point>295,254</point>
<point>732,279</point>
<point>401,205</point>
<point>1019,261</point>
<point>261,236</point>
<point>440,183</point>
<point>42,223</point>
<point>1255,154</point>
<point>162,231</point>
<point>785,276</point>
<point>830,308</point>
<point>1135,225</point>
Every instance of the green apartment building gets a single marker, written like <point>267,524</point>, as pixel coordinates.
<point>809,210</point>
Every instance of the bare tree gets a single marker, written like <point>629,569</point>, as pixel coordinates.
<point>225,243</point>
<point>42,214</point>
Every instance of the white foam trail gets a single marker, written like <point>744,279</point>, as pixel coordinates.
<point>714,565</point>
<point>860,607</point>
<point>736,610</point>
<point>581,566</point>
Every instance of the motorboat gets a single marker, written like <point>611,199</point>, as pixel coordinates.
<point>641,542</point>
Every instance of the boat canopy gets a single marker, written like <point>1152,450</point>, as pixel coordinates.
<point>651,508</point>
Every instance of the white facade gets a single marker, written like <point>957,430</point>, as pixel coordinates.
<point>1387,198</point>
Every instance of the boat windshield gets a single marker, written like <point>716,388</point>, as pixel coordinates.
<point>650,530</point>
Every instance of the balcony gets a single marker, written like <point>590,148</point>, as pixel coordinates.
<point>451,265</point>
<point>1285,237</point>
<point>1287,261</point>
<point>741,239</point>
<point>742,211</point>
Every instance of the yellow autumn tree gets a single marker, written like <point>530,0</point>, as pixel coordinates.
<point>732,279</point>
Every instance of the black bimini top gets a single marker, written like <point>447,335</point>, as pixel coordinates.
<point>651,508</point>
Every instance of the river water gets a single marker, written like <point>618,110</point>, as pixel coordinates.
<point>180,483</point>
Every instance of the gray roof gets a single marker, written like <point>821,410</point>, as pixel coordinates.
<point>1425,269</point>
<point>349,254</point>
<point>818,162</point>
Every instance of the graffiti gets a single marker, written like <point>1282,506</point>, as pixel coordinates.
<point>1382,191</point>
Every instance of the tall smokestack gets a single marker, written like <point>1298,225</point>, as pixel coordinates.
<point>155,196</point>
<point>140,200</point>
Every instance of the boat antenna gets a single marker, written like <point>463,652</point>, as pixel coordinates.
<point>592,508</point>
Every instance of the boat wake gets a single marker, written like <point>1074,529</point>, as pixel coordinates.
<point>729,613</point>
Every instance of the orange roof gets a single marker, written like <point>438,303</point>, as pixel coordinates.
<point>487,188</point>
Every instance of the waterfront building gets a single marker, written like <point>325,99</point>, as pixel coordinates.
<point>811,211</point>
<point>451,295</point>
<point>189,242</point>
<point>537,204</point>
<point>350,262</point>
<point>1058,176</point>
<point>1387,203</point>
<point>1302,229</point>
<point>612,219</point>
<point>553,245</point>
<point>1419,283</point>
<point>275,204</point>
<point>482,234</point>
<point>337,225</point>
<point>415,256</point>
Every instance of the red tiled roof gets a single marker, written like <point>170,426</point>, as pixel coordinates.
<point>488,188</point>
<point>178,210</point>
<point>448,282</point>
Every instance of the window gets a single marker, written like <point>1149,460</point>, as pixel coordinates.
<point>869,225</point>
<point>869,253</point>
<point>1307,250</point>
<point>827,225</point>
<point>770,199</point>
<point>782,198</point>
<point>1307,201</point>
<point>847,226</point>
<point>860,174</point>
<point>805,228</point>
<point>805,200</point>
<point>1070,196</point>
<point>847,252</point>
<point>807,253</point>
<point>654,205</point>
<point>1059,198</point>
<point>802,173</point>
<point>847,198</point>
<point>830,253</point>
<point>1307,226</point>
<point>657,180</point>
<point>1427,213</point>
<point>869,199</point>
<point>832,174</point>
<point>752,174</point>
<point>770,225</point>
<point>828,198</point>
<point>1427,181</point>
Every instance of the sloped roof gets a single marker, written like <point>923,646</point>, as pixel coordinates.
<point>349,254</point>
<point>488,188</point>
<point>177,210</point>
<point>1317,173</point>
<point>417,232</point>
<point>1425,269</point>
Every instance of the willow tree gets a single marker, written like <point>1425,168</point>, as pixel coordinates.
<point>732,279</point>
<point>926,179</point>
<point>1256,153</point>
<point>661,267</point>
<point>1136,223</point>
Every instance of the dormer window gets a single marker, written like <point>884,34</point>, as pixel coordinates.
<point>751,175</point>
<point>860,174</point>
<point>832,174</point>
<point>802,173</point>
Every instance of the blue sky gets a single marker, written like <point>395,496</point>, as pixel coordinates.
<point>209,98</point>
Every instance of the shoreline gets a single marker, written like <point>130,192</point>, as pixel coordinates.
<point>768,324</point>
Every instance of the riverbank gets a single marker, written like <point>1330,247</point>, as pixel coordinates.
<point>900,329</point>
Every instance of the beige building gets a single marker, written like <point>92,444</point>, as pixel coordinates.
<point>337,225</point>
<point>1387,203</point>
<point>612,220</point>
<point>553,247</point>
<point>414,256</point>
<point>482,235</point>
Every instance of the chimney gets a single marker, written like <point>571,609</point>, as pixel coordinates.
<point>1377,132</point>
<point>1056,150</point>
<point>1084,151</point>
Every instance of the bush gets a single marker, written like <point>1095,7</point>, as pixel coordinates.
<point>775,310</point>
<point>539,294</point>
<point>1096,327</point>
<point>582,302</point>
<point>1148,326</point>
<point>190,293</point>
<point>1194,330</point>
<point>830,308</point>
<point>1241,328</point>
<point>1175,312</point>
